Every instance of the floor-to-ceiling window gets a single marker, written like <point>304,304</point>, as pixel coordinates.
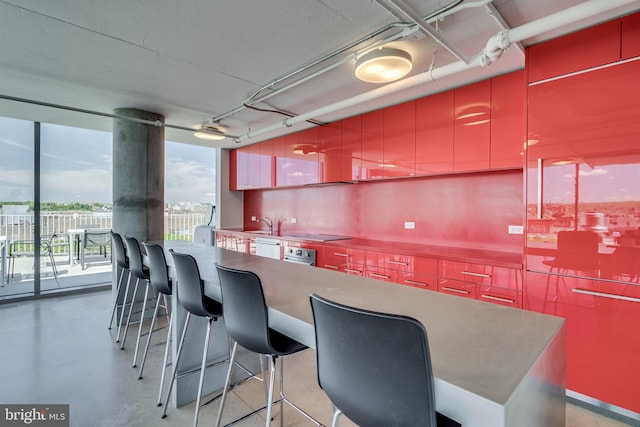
<point>56,189</point>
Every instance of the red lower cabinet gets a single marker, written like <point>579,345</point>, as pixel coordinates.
<point>498,295</point>
<point>603,338</point>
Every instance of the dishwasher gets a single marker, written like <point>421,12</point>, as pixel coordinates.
<point>300,256</point>
<point>269,248</point>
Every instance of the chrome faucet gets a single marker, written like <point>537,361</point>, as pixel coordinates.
<point>269,223</point>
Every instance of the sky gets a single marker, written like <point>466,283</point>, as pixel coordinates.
<point>76,166</point>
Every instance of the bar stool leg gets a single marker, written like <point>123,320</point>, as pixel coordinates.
<point>131,304</point>
<point>153,324</point>
<point>166,357</point>
<point>227,382</point>
<point>336,417</point>
<point>144,310</point>
<point>203,369</point>
<point>115,303</point>
<point>175,363</point>
<point>124,304</point>
<point>272,377</point>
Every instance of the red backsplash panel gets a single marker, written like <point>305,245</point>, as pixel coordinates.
<point>467,210</point>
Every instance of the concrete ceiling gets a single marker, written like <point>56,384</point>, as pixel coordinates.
<point>193,60</point>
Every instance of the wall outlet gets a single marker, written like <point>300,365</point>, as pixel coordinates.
<point>294,220</point>
<point>253,218</point>
<point>409,225</point>
<point>516,229</point>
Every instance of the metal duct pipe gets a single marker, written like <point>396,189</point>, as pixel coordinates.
<point>494,49</point>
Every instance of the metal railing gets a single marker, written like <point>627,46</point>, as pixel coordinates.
<point>21,227</point>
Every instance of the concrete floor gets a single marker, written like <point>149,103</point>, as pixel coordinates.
<point>59,350</point>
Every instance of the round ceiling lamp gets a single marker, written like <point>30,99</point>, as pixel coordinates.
<point>383,65</point>
<point>210,132</point>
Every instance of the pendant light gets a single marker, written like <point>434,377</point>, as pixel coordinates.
<point>210,132</point>
<point>383,65</point>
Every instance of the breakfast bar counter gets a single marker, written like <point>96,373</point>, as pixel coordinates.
<point>492,365</point>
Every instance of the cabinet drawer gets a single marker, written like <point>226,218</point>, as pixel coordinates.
<point>457,287</point>
<point>346,256</point>
<point>389,261</point>
<point>498,295</point>
<point>468,272</point>
<point>380,273</point>
<point>418,280</point>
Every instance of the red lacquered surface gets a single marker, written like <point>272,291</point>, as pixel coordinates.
<point>508,120</point>
<point>498,295</point>
<point>434,134</point>
<point>267,164</point>
<point>578,51</point>
<point>372,145</point>
<point>399,147</point>
<point>306,153</point>
<point>631,36</point>
<point>472,127</point>
<point>602,340</point>
<point>234,169</point>
<point>351,148</point>
<point>283,162</point>
<point>465,271</point>
<point>331,158</point>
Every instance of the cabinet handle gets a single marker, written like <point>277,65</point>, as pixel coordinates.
<point>397,262</point>
<point>333,267</point>
<point>348,270</point>
<point>460,291</point>
<point>604,295</point>
<point>341,254</point>
<point>413,282</point>
<point>494,298</point>
<point>471,273</point>
<point>378,276</point>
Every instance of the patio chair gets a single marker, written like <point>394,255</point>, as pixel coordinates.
<point>26,248</point>
<point>95,239</point>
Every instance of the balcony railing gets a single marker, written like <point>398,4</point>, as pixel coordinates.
<point>21,227</point>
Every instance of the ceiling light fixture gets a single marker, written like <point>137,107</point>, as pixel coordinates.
<point>383,65</point>
<point>210,132</point>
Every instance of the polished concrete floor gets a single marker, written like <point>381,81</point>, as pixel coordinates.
<point>59,350</point>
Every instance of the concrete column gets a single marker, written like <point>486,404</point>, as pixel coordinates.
<point>138,176</point>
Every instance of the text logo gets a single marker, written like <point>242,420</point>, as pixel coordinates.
<point>34,415</point>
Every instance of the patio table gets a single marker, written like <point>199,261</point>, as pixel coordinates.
<point>76,235</point>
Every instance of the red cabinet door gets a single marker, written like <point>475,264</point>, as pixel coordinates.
<point>578,51</point>
<point>284,162</point>
<point>331,157</point>
<point>631,36</point>
<point>306,152</point>
<point>434,134</point>
<point>498,295</point>
<point>372,145</point>
<point>508,121</point>
<point>267,164</point>
<point>352,148</point>
<point>472,129</point>
<point>457,287</point>
<point>399,147</point>
<point>253,166</point>
<point>234,169</point>
<point>602,340</point>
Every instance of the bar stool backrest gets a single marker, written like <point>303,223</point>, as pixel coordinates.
<point>119,251</point>
<point>375,367</point>
<point>135,258</point>
<point>245,311</point>
<point>158,272</point>
<point>190,287</point>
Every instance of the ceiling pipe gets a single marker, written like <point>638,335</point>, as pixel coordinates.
<point>495,46</point>
<point>495,14</point>
<point>405,10</point>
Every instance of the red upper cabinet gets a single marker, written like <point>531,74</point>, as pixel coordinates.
<point>306,151</point>
<point>399,147</point>
<point>331,160</point>
<point>578,51</point>
<point>284,163</point>
<point>372,145</point>
<point>352,148</point>
<point>507,120</point>
<point>234,169</point>
<point>434,134</point>
<point>631,36</point>
<point>472,128</point>
<point>267,164</point>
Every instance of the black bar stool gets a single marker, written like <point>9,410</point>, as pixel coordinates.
<point>375,367</point>
<point>122,261</point>
<point>246,320</point>
<point>190,292</point>
<point>163,286</point>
